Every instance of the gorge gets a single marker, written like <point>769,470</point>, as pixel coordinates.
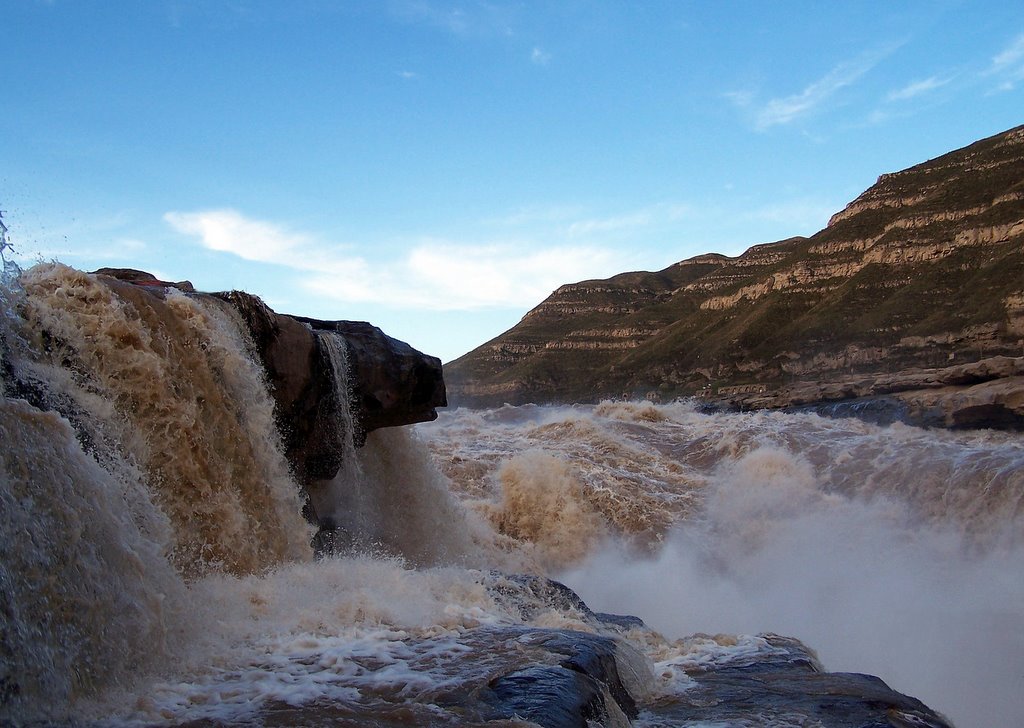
<point>912,297</point>
<point>161,446</point>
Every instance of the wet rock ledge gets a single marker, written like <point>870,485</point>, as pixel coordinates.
<point>389,382</point>
<point>595,675</point>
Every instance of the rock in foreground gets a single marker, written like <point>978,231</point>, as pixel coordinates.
<point>598,675</point>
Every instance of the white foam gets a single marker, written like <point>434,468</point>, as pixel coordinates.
<point>891,550</point>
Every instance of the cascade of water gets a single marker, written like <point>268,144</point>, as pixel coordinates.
<point>164,386</point>
<point>144,457</point>
<point>388,497</point>
<point>339,502</point>
<point>88,596</point>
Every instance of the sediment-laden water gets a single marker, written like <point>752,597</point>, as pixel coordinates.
<point>891,550</point>
<point>156,568</point>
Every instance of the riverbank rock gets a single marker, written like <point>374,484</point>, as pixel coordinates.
<point>783,684</point>
<point>389,383</point>
<point>984,394</point>
<point>601,673</point>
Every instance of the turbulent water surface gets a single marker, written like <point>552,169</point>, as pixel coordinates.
<point>891,550</point>
<point>156,568</point>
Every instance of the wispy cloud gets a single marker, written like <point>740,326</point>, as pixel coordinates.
<point>459,19</point>
<point>645,217</point>
<point>784,110</point>
<point>434,274</point>
<point>743,99</point>
<point>228,231</point>
<point>443,275</point>
<point>917,88</point>
<point>1008,65</point>
<point>790,108</point>
<point>540,57</point>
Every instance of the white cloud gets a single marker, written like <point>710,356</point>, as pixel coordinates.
<point>441,275</point>
<point>228,231</point>
<point>1008,65</point>
<point>917,88</point>
<point>787,109</point>
<point>539,57</point>
<point>742,99</point>
<point>1010,57</point>
<point>432,274</point>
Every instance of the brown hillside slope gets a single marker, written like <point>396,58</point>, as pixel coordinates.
<point>924,270</point>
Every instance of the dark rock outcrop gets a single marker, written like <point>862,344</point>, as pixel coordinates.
<point>923,271</point>
<point>785,685</point>
<point>392,383</point>
<point>505,675</point>
<point>583,684</point>
<point>389,383</point>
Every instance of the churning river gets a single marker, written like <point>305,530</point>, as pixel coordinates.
<point>156,568</point>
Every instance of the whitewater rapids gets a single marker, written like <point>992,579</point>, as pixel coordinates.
<point>156,568</point>
<point>891,550</point>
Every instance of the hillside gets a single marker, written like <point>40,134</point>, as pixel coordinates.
<point>922,272</point>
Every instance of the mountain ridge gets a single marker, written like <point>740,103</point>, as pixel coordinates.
<point>922,271</point>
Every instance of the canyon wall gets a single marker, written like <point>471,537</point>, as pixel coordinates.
<point>921,273</point>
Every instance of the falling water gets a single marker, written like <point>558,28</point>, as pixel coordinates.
<point>149,459</point>
<point>340,501</point>
<point>156,568</point>
<point>387,497</point>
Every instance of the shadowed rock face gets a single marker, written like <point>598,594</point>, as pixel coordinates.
<point>392,383</point>
<point>784,685</point>
<point>389,382</point>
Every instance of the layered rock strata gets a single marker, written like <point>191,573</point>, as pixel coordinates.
<point>923,271</point>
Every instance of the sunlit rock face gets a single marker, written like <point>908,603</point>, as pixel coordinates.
<point>922,272</point>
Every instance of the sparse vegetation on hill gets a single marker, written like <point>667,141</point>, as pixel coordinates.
<point>923,270</point>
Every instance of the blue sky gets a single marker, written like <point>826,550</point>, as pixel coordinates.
<point>438,167</point>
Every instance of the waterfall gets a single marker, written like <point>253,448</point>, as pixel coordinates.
<point>339,502</point>
<point>388,497</point>
<point>139,453</point>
